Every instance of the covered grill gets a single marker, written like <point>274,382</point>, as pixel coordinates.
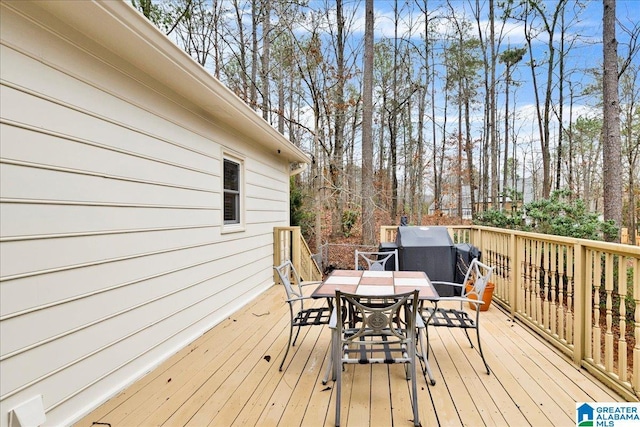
<point>429,249</point>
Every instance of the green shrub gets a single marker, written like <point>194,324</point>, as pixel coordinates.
<point>558,215</point>
<point>349,219</point>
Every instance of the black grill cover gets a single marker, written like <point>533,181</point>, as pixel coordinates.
<point>389,247</point>
<point>428,249</point>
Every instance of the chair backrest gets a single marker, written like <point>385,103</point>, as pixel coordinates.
<point>377,261</point>
<point>479,274</point>
<point>379,315</point>
<point>287,274</point>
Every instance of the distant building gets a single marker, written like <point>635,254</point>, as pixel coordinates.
<point>449,203</point>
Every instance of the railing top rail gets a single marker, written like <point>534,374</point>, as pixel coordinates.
<point>591,244</point>
<point>618,248</point>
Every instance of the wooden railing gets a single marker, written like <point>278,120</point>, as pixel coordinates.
<point>289,244</point>
<point>582,296</point>
<point>625,237</point>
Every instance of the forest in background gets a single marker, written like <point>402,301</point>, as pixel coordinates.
<point>423,107</point>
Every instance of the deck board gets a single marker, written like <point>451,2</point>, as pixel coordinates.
<point>224,379</point>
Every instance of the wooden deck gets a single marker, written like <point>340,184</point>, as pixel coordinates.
<point>230,377</point>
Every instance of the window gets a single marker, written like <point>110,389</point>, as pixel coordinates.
<point>232,187</point>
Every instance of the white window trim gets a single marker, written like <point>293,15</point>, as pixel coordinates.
<point>240,226</point>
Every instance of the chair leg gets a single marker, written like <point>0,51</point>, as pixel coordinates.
<point>414,390</point>
<point>426,333</point>
<point>338,383</point>
<point>424,349</point>
<point>482,354</point>
<point>288,345</point>
<point>297,333</point>
<point>468,337</point>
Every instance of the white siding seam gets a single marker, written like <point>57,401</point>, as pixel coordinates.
<point>100,175</point>
<point>259,208</point>
<point>117,96</point>
<point>262,183</point>
<point>111,315</point>
<point>96,292</point>
<point>111,344</point>
<point>108,147</point>
<point>102,262</point>
<point>103,204</point>
<point>98,233</point>
<point>253,223</point>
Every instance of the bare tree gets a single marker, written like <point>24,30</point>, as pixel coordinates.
<point>612,152</point>
<point>336,159</point>
<point>255,19</point>
<point>368,219</point>
<point>510,57</point>
<point>266,53</point>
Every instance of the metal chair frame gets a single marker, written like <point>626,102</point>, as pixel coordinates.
<point>479,274</point>
<point>300,316</point>
<point>376,261</point>
<point>387,334</point>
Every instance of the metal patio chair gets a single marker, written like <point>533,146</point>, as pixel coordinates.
<point>386,335</point>
<point>478,274</point>
<point>300,315</point>
<point>377,261</point>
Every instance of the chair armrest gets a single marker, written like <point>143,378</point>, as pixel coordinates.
<point>315,282</point>
<point>460,299</point>
<point>298,299</point>
<point>457,285</point>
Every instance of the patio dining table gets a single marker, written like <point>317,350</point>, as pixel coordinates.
<point>373,283</point>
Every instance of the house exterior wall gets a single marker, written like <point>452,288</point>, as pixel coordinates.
<point>113,251</point>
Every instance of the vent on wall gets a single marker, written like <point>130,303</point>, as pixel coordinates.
<point>28,414</point>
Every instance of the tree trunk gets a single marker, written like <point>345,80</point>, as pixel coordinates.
<point>495,152</point>
<point>486,121</point>
<point>337,158</point>
<point>469,150</point>
<point>253,97</point>
<point>459,166</point>
<point>570,142</point>
<point>368,218</point>
<point>437,175</point>
<point>506,134</point>
<point>393,120</point>
<point>266,44</point>
<point>244,85</point>
<point>612,152</point>
<point>560,103</point>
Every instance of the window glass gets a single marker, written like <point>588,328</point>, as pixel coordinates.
<point>231,192</point>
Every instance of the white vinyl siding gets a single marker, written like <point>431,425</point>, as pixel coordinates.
<point>112,252</point>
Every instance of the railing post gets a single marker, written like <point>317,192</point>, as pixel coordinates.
<point>515,274</point>
<point>580,301</point>
<point>277,245</point>
<point>636,326</point>
<point>295,248</point>
<point>476,240</point>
